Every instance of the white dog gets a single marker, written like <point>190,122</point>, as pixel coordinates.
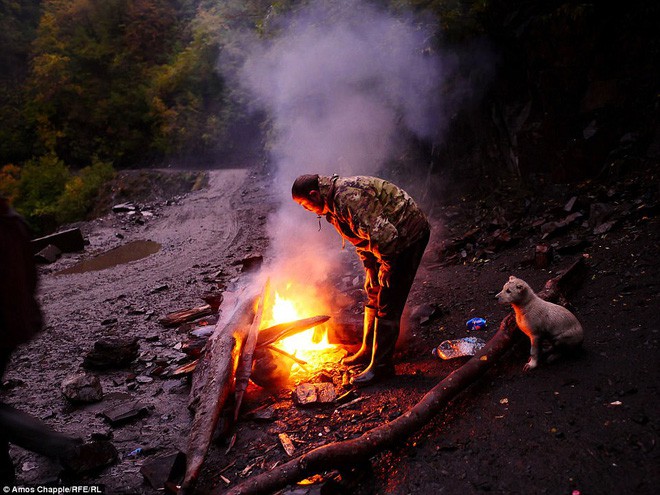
<point>542,321</point>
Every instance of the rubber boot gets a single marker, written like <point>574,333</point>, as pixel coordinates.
<point>386,333</point>
<point>363,355</point>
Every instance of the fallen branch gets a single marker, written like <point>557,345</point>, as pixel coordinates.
<point>348,452</point>
<point>213,381</point>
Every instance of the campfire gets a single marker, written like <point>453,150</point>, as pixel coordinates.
<point>270,339</point>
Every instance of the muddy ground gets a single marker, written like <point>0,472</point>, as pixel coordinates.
<point>584,425</point>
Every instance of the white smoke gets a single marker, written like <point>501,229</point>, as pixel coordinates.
<point>342,82</point>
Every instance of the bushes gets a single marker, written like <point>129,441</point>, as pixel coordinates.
<point>42,183</point>
<point>9,182</point>
<point>46,193</point>
<point>80,191</point>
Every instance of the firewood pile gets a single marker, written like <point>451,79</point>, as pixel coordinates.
<point>236,350</point>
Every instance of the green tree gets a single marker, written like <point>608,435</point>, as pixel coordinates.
<point>18,22</point>
<point>187,98</point>
<point>10,176</point>
<point>81,191</point>
<point>92,64</point>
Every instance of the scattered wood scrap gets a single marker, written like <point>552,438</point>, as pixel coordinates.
<point>125,412</point>
<point>287,444</point>
<point>185,315</point>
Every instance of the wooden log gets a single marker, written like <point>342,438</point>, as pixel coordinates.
<point>213,381</point>
<point>245,363</point>
<point>281,331</point>
<point>349,452</point>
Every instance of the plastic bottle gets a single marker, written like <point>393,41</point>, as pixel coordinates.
<point>450,349</point>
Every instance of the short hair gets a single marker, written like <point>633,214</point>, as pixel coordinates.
<point>304,184</point>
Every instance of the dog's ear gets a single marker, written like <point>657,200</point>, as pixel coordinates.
<point>520,286</point>
<point>512,278</point>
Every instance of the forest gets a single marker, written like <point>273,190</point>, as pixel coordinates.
<point>88,87</point>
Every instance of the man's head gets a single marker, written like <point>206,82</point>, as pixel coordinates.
<point>306,192</point>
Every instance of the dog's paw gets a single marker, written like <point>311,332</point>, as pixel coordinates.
<point>530,365</point>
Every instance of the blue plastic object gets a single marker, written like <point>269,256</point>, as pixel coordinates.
<point>476,324</point>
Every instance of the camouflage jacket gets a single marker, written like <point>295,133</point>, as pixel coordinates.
<point>379,218</point>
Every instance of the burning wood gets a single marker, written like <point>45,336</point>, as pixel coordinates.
<point>212,384</point>
<point>264,350</point>
<point>245,362</point>
<point>236,352</point>
<point>269,370</point>
<point>283,330</point>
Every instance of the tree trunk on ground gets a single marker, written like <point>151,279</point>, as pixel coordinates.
<point>350,452</point>
<point>213,381</point>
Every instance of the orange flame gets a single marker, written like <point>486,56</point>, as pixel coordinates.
<point>291,305</point>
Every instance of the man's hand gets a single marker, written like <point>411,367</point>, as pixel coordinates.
<point>384,276</point>
<point>370,279</point>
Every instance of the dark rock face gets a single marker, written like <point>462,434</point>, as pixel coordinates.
<point>573,90</point>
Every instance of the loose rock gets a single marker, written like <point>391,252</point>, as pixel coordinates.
<point>82,388</point>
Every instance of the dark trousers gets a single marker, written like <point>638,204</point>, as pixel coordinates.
<point>391,300</point>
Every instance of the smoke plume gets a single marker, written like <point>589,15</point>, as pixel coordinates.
<point>342,82</point>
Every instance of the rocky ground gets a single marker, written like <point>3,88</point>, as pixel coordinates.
<point>585,425</point>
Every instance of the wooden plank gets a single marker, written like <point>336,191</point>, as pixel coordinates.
<point>68,241</point>
<point>245,363</point>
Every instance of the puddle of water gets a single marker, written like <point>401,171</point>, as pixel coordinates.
<point>118,256</point>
